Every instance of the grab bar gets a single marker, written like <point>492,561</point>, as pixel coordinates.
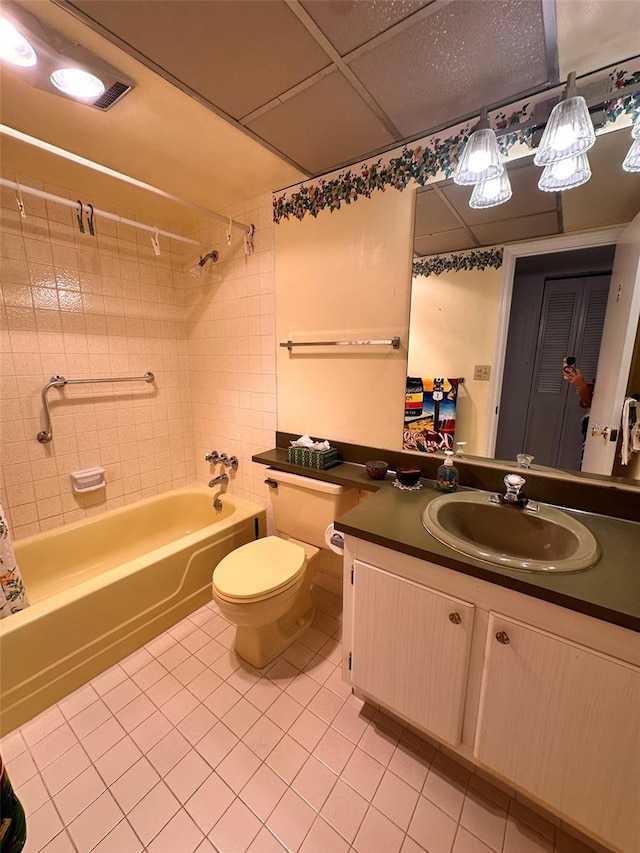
<point>392,342</point>
<point>46,434</point>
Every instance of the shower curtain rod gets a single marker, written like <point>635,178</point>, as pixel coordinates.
<point>105,170</point>
<point>58,199</point>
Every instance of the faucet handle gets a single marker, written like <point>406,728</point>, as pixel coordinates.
<point>514,482</point>
<point>212,456</point>
<point>224,459</point>
<point>233,462</point>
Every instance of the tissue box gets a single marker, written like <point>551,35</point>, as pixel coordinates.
<point>318,459</point>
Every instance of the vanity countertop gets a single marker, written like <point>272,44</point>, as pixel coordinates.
<point>391,517</point>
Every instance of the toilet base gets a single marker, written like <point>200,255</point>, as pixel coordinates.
<point>259,645</point>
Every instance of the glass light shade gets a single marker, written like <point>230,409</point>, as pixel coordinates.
<point>492,192</point>
<point>480,160</point>
<point>568,132</point>
<point>635,130</point>
<point>14,47</point>
<point>77,83</point>
<point>631,162</point>
<point>565,175</point>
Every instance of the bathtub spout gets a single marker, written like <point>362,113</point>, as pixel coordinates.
<point>221,478</point>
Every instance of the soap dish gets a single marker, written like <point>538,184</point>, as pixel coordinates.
<point>88,480</point>
<point>413,488</point>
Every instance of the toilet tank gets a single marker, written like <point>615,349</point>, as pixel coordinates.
<point>303,507</point>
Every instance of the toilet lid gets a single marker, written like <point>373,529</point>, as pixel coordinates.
<point>259,568</point>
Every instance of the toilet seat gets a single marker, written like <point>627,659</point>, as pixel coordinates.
<point>259,570</point>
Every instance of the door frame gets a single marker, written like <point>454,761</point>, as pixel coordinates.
<point>544,246</point>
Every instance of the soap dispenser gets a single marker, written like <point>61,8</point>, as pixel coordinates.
<point>447,478</point>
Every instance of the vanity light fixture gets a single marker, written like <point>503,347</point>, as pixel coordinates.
<point>491,193</point>
<point>480,159</point>
<point>565,174</point>
<point>631,162</point>
<point>569,131</point>
<point>46,59</point>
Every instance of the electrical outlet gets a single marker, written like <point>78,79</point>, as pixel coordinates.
<point>482,371</point>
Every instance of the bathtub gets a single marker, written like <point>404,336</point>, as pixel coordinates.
<point>104,586</point>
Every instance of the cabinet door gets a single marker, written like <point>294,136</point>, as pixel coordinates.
<point>563,723</point>
<point>411,649</point>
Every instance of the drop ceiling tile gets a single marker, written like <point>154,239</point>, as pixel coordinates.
<point>603,33</point>
<point>445,241</point>
<point>432,214</point>
<point>324,126</point>
<point>512,230</point>
<point>349,23</point>
<point>451,63</point>
<point>236,55</point>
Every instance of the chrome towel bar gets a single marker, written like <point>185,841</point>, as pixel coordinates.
<point>392,342</point>
<point>46,434</point>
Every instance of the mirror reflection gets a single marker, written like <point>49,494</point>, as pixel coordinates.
<point>558,310</point>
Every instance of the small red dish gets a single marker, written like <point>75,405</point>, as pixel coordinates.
<point>408,476</point>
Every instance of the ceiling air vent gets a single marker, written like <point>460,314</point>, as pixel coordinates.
<point>113,94</point>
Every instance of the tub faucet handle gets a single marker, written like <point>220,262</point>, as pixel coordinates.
<point>224,459</point>
<point>212,456</point>
<point>233,462</point>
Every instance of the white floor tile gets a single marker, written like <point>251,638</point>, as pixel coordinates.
<point>153,812</point>
<point>236,759</point>
<point>78,794</point>
<point>95,822</point>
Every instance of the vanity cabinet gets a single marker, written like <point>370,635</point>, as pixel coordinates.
<point>562,721</point>
<point>411,649</point>
<point>546,699</point>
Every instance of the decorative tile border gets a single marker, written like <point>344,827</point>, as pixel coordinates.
<point>472,259</point>
<point>434,158</point>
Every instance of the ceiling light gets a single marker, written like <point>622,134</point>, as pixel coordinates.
<point>48,60</point>
<point>631,162</point>
<point>480,160</point>
<point>569,130</point>
<point>491,193</point>
<point>565,175</point>
<point>14,47</point>
<point>77,83</point>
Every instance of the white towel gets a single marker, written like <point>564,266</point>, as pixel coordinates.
<point>630,429</point>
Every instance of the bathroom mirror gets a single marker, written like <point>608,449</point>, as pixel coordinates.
<point>454,322</point>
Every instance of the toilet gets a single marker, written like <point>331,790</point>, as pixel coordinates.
<point>264,587</point>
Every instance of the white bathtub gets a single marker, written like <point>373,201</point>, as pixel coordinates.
<point>104,586</point>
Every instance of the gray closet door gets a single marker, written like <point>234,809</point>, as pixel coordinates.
<point>546,419</point>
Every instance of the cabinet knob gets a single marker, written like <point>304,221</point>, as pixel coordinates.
<point>503,637</point>
<point>455,618</point>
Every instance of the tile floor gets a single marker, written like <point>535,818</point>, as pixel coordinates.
<point>184,748</point>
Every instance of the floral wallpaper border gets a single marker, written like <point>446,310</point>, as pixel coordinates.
<point>433,156</point>
<point>472,259</point>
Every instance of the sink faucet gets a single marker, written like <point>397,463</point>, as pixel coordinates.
<point>221,478</point>
<point>513,496</point>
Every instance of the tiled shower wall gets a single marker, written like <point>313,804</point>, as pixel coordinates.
<point>84,306</point>
<point>230,321</point>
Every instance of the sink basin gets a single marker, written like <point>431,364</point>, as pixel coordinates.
<point>547,540</point>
